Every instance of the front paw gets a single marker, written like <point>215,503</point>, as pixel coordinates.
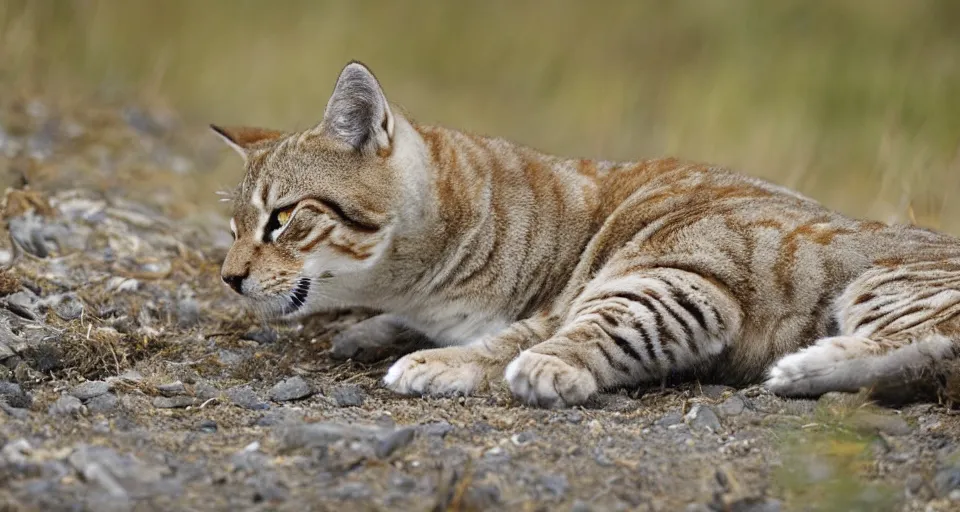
<point>548,381</point>
<point>438,372</point>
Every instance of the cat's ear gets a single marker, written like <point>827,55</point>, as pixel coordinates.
<point>358,113</point>
<point>242,138</point>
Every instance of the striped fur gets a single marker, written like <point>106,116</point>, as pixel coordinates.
<point>570,276</point>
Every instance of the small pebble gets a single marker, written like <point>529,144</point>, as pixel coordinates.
<point>263,336</point>
<point>174,402</point>
<point>130,376</point>
<point>670,419</point>
<point>68,308</point>
<point>555,485</point>
<point>702,418</point>
<point>12,394</point>
<point>394,441</point>
<point>245,397</point>
<point>15,412</point>
<point>207,427</point>
<point>90,389</point>
<point>293,388</point>
<point>523,438</point>
<point>437,428</point>
<point>946,481</point>
<point>172,388</point>
<point>66,405</point>
<point>103,403</point>
<point>205,391</point>
<point>348,395</point>
<point>352,491</point>
<point>733,406</point>
<point>713,391</point>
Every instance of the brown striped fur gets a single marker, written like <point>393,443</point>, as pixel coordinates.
<point>568,276</point>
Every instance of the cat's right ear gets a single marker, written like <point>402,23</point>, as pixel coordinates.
<point>242,139</point>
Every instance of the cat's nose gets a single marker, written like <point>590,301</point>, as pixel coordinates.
<point>235,281</point>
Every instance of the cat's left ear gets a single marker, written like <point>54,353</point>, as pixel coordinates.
<point>358,113</point>
<point>243,139</point>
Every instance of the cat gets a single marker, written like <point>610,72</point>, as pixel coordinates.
<point>565,277</point>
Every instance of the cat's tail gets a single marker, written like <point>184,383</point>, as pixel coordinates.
<point>850,363</point>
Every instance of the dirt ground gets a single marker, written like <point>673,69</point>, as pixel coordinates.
<point>130,379</point>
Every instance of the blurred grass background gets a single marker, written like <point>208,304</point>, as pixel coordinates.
<point>854,102</point>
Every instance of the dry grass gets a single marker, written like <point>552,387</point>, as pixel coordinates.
<point>851,101</point>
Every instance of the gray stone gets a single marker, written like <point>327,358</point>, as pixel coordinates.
<point>68,307</point>
<point>554,485</point>
<point>394,441</point>
<point>205,391</point>
<point>703,418</point>
<point>207,427</point>
<point>16,452</point>
<point>733,406</point>
<point>12,394</point>
<point>66,405</point>
<point>437,428</point>
<point>523,438</point>
<point>129,376</point>
<point>250,460</point>
<point>229,357</point>
<point>245,397</point>
<point>120,476</point>
<point>946,481</point>
<point>263,336</point>
<point>352,491</point>
<point>670,419</point>
<point>25,373</point>
<point>713,391</point>
<point>90,389</point>
<point>916,487</point>
<point>103,403</point>
<point>188,309</point>
<point>23,303</point>
<point>174,402</point>
<point>348,395</point>
<point>14,412</point>
<point>293,388</point>
<point>483,497</point>
<point>172,388</point>
<point>322,434</point>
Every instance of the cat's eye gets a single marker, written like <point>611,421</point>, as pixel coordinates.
<point>284,215</point>
<point>278,219</point>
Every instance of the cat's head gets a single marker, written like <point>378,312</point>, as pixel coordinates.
<point>315,209</point>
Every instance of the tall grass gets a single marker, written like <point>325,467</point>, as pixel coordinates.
<point>854,102</point>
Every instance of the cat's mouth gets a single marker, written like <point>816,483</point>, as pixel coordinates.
<point>297,298</point>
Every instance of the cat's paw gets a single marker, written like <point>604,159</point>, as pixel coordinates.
<point>547,381</point>
<point>438,372</point>
<point>818,368</point>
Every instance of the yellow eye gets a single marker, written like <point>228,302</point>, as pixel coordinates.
<point>284,215</point>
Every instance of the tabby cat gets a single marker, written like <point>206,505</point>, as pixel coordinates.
<point>568,276</point>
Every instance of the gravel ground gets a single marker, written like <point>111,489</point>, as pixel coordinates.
<point>130,379</point>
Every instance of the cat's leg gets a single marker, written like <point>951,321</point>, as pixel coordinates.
<point>468,368</point>
<point>896,325</point>
<point>624,331</point>
<point>375,338</point>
